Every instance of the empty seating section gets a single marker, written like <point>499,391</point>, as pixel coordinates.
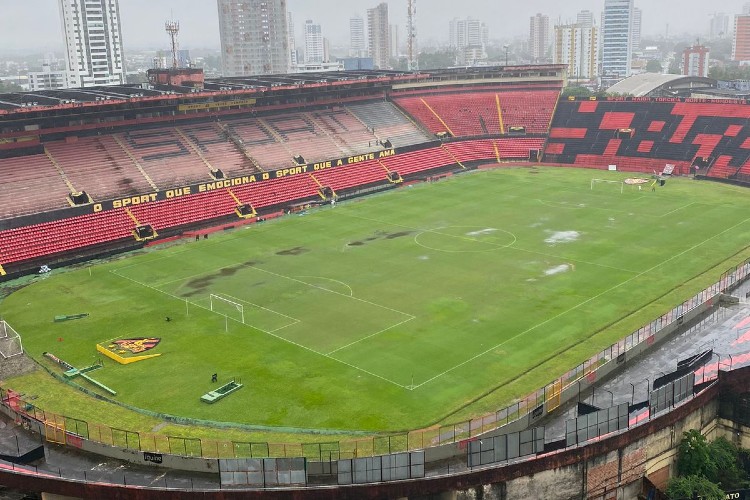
<point>215,147</point>
<point>349,176</point>
<point>494,149</point>
<point>30,184</point>
<point>39,240</point>
<point>476,113</point>
<point>462,115</point>
<point>585,133</point>
<point>185,210</point>
<point>388,123</point>
<point>277,191</point>
<point>165,156</point>
<point>99,166</point>
<point>530,109</point>
<point>350,134</point>
<point>417,161</point>
<point>269,152</point>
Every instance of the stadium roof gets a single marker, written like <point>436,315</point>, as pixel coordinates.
<point>32,101</point>
<point>658,85</point>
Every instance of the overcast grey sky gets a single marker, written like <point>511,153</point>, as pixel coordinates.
<point>35,24</point>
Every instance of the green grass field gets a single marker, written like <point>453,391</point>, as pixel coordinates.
<point>430,303</point>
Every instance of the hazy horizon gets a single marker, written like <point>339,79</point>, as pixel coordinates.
<point>35,24</point>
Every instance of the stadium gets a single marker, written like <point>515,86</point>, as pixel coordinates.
<point>340,283</point>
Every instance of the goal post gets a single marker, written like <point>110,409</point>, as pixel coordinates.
<point>10,341</point>
<point>227,307</point>
<point>620,184</point>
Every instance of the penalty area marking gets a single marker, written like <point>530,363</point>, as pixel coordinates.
<point>278,337</point>
<point>294,320</point>
<point>351,292</point>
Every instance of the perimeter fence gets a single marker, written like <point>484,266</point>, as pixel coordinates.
<point>66,429</point>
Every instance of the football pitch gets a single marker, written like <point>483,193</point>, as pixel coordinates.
<point>425,304</point>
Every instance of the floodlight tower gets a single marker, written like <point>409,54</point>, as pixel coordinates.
<point>173,28</point>
<point>411,36</point>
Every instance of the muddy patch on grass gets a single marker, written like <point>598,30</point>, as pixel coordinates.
<point>293,251</point>
<point>202,282</point>
<point>400,234</point>
<point>355,244</point>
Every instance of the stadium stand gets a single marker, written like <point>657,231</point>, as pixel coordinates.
<point>30,184</point>
<point>468,114</point>
<point>644,136</point>
<point>388,123</point>
<point>99,164</point>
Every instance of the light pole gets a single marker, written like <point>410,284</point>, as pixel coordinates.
<point>506,53</point>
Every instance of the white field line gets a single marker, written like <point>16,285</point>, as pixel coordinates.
<point>261,307</point>
<point>410,316</point>
<point>557,204</point>
<point>580,304</point>
<point>498,245</point>
<point>370,336</point>
<point>351,292</point>
<point>270,333</point>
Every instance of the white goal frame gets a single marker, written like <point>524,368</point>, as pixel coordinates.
<point>9,338</point>
<point>219,298</point>
<point>607,181</point>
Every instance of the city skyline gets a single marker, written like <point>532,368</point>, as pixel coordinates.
<point>143,20</point>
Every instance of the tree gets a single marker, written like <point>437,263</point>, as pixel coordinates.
<point>687,486</point>
<point>694,456</point>
<point>439,59</point>
<point>653,67</point>
<point>729,473</point>
<point>576,91</point>
<point>9,87</point>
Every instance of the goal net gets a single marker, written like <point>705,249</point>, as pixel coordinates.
<point>607,184</point>
<point>10,341</point>
<point>229,308</point>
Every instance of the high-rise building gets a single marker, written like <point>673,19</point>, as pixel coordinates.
<point>378,39</point>
<point>585,19</point>
<point>741,40</point>
<point>357,39</point>
<point>465,32</point>
<point>393,40</point>
<point>538,37</point>
<point>50,78</point>
<point>314,49</point>
<point>719,26</point>
<point>695,61</point>
<point>470,37</point>
<point>617,28</point>
<point>292,42</point>
<point>577,47</point>
<point>254,37</point>
<point>94,42</point>
<point>635,36</point>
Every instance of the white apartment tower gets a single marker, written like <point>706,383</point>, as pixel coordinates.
<point>93,39</point>
<point>378,42</point>
<point>254,37</point>
<point>719,27</point>
<point>577,47</point>
<point>617,47</point>
<point>466,32</point>
<point>635,37</point>
<point>357,39</point>
<point>314,48</point>
<point>292,43</point>
<point>585,19</point>
<point>538,37</point>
